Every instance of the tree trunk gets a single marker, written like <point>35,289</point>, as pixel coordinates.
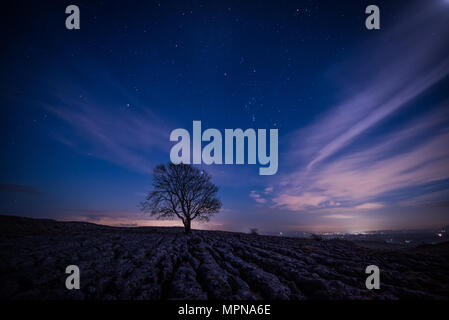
<point>187,228</point>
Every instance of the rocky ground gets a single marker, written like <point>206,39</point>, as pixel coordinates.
<point>163,263</point>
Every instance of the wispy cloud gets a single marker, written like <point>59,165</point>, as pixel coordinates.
<point>338,216</point>
<point>300,202</point>
<point>369,206</point>
<point>358,178</point>
<point>376,111</point>
<point>343,161</point>
<point>123,136</point>
<point>391,73</point>
<point>257,197</point>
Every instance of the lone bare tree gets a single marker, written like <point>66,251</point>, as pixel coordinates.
<point>183,191</point>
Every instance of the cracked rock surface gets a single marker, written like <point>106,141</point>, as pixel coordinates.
<point>163,263</point>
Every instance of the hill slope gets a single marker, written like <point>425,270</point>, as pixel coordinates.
<point>163,263</point>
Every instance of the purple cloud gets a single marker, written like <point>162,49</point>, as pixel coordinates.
<point>341,165</point>
<point>392,73</point>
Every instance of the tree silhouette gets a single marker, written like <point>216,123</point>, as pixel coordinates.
<point>183,191</point>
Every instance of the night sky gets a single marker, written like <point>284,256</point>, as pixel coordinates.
<point>363,115</point>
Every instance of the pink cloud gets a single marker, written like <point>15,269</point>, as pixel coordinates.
<point>373,93</point>
<point>338,216</point>
<point>331,161</point>
<point>257,197</point>
<point>300,202</point>
<point>359,178</point>
<point>369,206</point>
